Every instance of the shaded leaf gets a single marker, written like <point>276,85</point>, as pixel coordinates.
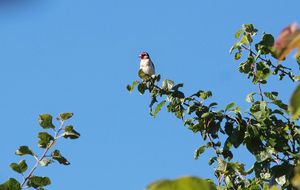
<point>21,167</point>
<point>198,152</point>
<point>70,132</point>
<point>66,115</point>
<point>24,150</point>
<point>45,121</point>
<point>11,184</point>
<point>56,155</point>
<point>37,181</point>
<point>44,139</point>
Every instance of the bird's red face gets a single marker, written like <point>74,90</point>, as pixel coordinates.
<point>144,55</point>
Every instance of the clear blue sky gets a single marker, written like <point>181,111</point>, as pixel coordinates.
<point>78,56</point>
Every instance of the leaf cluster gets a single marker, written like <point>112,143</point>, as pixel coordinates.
<point>268,129</point>
<point>46,141</point>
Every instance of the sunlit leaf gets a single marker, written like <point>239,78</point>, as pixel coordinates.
<point>295,103</point>
<point>184,183</point>
<point>158,108</point>
<point>288,39</point>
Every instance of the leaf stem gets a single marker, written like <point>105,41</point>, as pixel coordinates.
<point>38,160</point>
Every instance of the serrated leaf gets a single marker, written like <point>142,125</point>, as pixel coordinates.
<point>37,181</point>
<point>158,108</point>
<point>45,121</point>
<point>66,115</point>
<point>56,155</point>
<point>44,139</point>
<point>10,184</point>
<point>20,167</point>
<point>24,150</point>
<point>70,132</point>
<point>295,103</point>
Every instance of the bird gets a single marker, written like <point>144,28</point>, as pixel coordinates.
<point>146,64</point>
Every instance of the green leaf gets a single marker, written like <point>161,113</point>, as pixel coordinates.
<point>131,88</point>
<point>141,88</point>
<point>143,76</point>
<point>70,132</point>
<point>295,103</point>
<point>183,183</point>
<point>212,160</point>
<point>37,181</point>
<point>264,155</point>
<point>237,55</point>
<point>238,33</point>
<point>244,40</point>
<point>66,115</point>
<point>281,180</point>
<point>58,157</point>
<point>45,121</point>
<point>207,115</point>
<point>44,139</point>
<point>11,184</point>
<point>198,152</point>
<point>229,106</point>
<point>177,86</point>
<point>280,104</point>
<point>249,97</point>
<point>204,95</point>
<point>271,95</point>
<point>167,84</point>
<point>24,150</point>
<point>20,168</point>
<point>45,162</point>
<point>297,78</point>
<point>158,108</point>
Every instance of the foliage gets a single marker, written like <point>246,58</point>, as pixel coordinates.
<point>268,129</point>
<point>46,141</point>
<point>184,183</point>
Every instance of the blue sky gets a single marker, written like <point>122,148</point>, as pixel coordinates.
<point>78,56</point>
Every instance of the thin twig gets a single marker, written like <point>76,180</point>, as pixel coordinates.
<point>260,92</point>
<point>43,155</point>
